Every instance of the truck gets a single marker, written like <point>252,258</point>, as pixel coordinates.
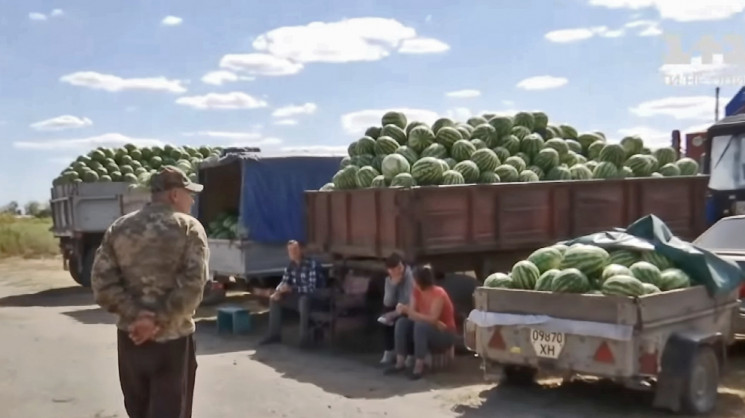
<point>724,158</point>
<point>265,194</point>
<point>467,230</point>
<point>81,213</point>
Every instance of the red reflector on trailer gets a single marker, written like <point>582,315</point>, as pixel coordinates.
<point>496,340</point>
<point>604,355</point>
<point>648,363</point>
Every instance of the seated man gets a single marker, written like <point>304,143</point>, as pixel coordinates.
<point>398,287</point>
<point>429,323</point>
<point>299,283</point>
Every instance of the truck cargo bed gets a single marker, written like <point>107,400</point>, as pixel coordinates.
<point>456,222</point>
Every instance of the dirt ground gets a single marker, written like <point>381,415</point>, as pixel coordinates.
<point>58,360</point>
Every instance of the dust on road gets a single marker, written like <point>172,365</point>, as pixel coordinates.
<point>58,360</point>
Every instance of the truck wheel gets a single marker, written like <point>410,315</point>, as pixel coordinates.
<point>74,269</point>
<point>519,375</point>
<point>84,274</point>
<point>702,383</point>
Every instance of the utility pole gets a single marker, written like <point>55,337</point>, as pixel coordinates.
<point>716,109</point>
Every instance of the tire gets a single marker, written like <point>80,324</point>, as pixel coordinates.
<point>702,383</point>
<point>84,274</point>
<point>74,269</point>
<point>519,375</point>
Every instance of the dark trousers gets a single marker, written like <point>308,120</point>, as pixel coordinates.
<point>157,379</point>
<point>303,304</point>
<point>425,337</point>
<point>389,334</point>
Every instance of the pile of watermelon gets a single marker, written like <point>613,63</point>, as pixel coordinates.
<point>494,149</point>
<point>588,269</point>
<point>224,226</point>
<point>132,164</point>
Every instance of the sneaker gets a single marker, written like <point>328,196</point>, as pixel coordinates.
<point>388,357</point>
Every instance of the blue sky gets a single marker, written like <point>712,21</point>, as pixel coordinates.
<point>303,75</point>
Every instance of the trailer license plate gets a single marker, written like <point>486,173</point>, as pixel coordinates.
<point>547,344</point>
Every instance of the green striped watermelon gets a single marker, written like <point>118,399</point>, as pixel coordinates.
<point>479,144</point>
<point>545,282</point>
<point>613,153</point>
<point>378,182</point>
<point>640,165</point>
<point>665,155</point>
<point>462,150</point>
<point>435,151</point>
<point>624,257</point>
<point>632,145</point>
<point>328,187</point>
<point>346,178</point>
<point>527,176</point>
<point>465,130</point>
<point>485,159</point>
<point>574,146</point>
<point>469,170</point>
<point>502,125</point>
<point>511,143</point>
<point>412,125</point>
<point>516,162</point>
<point>605,170</point>
<point>373,132</point>
<point>546,258</point>
<point>393,165</point>
<point>394,132</point>
<point>614,270</point>
<point>650,289</point>
<point>593,151</point>
<point>365,145</point>
<point>385,145</point>
<point>488,177</point>
<point>657,259</point>
<point>475,121</point>
<point>546,159</point>
<point>670,170</point>
<point>580,172</point>
<point>646,272</point>
<point>561,146</point>
<point>559,173</point>
<point>450,162</point>
<point>570,280</point>
<point>420,138</point>
<point>687,166</point>
<point>672,278</point>
<point>502,153</point>
<point>394,118</point>
<point>540,120</point>
<point>525,275</point>
<point>525,157</point>
<point>408,153</point>
<point>365,176</point>
<point>588,259</point>
<point>427,171</point>
<point>507,173</point>
<point>520,132</point>
<point>525,119</point>
<point>403,180</point>
<point>448,136</point>
<point>623,286</point>
<point>568,132</point>
<point>485,132</point>
<point>451,177</point>
<point>531,144</point>
<point>499,280</point>
<point>442,123</point>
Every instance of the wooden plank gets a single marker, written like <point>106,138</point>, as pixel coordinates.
<point>679,303</point>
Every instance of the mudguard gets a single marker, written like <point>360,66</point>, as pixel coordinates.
<point>676,363</point>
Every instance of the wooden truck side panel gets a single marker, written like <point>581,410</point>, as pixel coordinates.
<point>430,221</point>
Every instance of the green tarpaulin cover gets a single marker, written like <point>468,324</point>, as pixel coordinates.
<point>718,275</point>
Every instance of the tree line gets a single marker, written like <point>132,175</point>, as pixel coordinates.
<point>33,208</point>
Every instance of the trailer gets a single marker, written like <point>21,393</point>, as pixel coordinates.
<point>487,227</point>
<point>81,213</point>
<point>674,343</point>
<point>266,193</point>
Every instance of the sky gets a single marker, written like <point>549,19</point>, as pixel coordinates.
<point>310,76</point>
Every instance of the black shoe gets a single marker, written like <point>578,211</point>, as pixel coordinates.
<point>393,369</point>
<point>415,376</point>
<point>272,339</point>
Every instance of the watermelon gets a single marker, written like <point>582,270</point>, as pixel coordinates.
<point>527,176</point>
<point>516,162</point>
<point>538,171</point>
<point>650,289</point>
<point>421,137</point>
<point>450,162</point>
<point>665,155</point>
<point>365,176</point>
<point>488,177</point>
<point>540,121</point>
<point>485,159</point>
<point>462,150</point>
<point>672,278</point>
<point>385,145</point>
<point>507,173</point>
<point>427,171</point>
<point>499,280</point>
<point>403,180</point>
<point>670,170</point>
<point>479,144</point>
<point>378,182</point>
<point>408,153</point>
<point>657,259</point>
<point>365,145</point>
<point>640,165</point>
<point>573,146</point>
<point>525,157</point>
<point>545,282</point>
<point>412,125</point>
<point>561,146</point>
<point>580,172</point>
<point>687,166</point>
<point>531,144</point>
<point>476,121</point>
<point>568,132</point>
<point>502,153</point>
<point>486,133</point>
<point>632,145</point>
<point>525,119</point>
<point>624,257</point>
<point>442,123</point>
<point>447,136</point>
<point>394,132</point>
<point>520,132</point>
<point>614,270</point>
<point>346,178</point>
<point>395,118</point>
<point>621,285</point>
<point>434,151</point>
<point>546,258</point>
<point>327,187</point>
<point>561,247</point>
<point>605,170</point>
<point>393,165</point>
<point>464,130</point>
<point>613,153</point>
<point>511,143</point>
<point>502,125</point>
<point>646,272</point>
<point>588,259</point>
<point>452,177</point>
<point>593,151</point>
<point>559,173</point>
<point>547,159</point>
<point>469,170</point>
<point>525,275</point>
<point>570,280</point>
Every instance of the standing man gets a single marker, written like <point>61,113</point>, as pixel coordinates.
<point>150,270</point>
<point>398,288</point>
<point>301,278</point>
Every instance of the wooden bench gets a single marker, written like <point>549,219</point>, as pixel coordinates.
<point>440,360</point>
<point>345,304</point>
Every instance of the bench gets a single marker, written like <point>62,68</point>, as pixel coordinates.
<point>345,309</point>
<point>440,360</point>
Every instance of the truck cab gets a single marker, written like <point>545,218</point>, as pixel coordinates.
<point>725,164</point>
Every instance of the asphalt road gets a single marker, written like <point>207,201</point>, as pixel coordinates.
<point>58,360</point>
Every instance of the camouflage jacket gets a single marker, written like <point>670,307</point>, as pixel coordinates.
<point>154,259</point>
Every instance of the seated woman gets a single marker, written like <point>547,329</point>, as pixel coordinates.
<point>429,323</point>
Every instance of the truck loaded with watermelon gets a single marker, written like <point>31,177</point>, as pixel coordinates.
<point>492,149</point>
<point>639,306</point>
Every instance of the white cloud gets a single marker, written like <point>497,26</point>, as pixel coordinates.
<point>508,102</point>
<point>681,11</point>
<point>332,150</point>
<point>57,12</point>
<point>112,83</point>
<point>171,21</point>
<point>653,138</point>
<point>292,110</point>
<point>37,16</point>
<point>105,140</point>
<point>542,82</point>
<point>647,27</point>
<point>422,46</point>
<point>286,122</point>
<point>61,123</point>
<point>237,139</point>
<point>260,64</point>
<point>463,94</point>
<point>681,108</point>
<point>220,77</point>
<point>573,35</point>
<point>460,114</point>
<point>232,100</point>
<point>357,122</point>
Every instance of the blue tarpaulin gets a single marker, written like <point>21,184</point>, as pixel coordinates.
<point>737,104</point>
<point>272,204</point>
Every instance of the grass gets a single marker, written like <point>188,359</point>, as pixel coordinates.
<point>26,237</point>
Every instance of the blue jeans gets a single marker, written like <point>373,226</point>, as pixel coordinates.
<point>426,337</point>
